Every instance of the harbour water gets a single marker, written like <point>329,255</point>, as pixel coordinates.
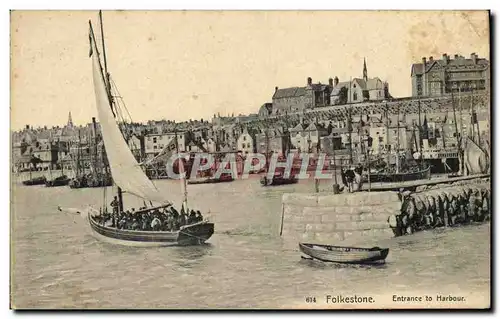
<point>57,264</point>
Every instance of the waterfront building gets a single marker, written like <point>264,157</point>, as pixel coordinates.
<point>246,142</point>
<point>296,99</point>
<point>265,110</point>
<point>46,152</point>
<point>209,144</point>
<point>436,77</point>
<point>154,143</point>
<point>137,146</point>
<point>272,140</point>
<point>359,90</point>
<point>195,146</point>
<point>297,139</point>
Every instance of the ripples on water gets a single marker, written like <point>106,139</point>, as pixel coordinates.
<point>56,264</point>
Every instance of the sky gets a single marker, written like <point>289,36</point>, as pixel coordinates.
<point>182,65</point>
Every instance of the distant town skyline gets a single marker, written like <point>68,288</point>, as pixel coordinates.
<point>182,65</point>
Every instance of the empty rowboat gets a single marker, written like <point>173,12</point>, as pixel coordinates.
<point>347,255</point>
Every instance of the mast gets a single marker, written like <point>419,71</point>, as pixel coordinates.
<point>349,127</point>
<point>387,133</point>
<point>108,89</point>
<point>460,133</point>
<point>266,132</point>
<point>459,138</point>
<point>78,151</point>
<point>96,166</point>
<point>474,117</point>
<point>420,134</point>
<point>397,144</point>
<point>360,144</point>
<point>369,169</point>
<point>106,73</point>
<point>334,162</point>
<point>181,171</point>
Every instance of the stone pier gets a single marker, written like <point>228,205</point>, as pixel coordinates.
<point>343,219</point>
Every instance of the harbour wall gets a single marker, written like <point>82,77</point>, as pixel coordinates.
<point>344,219</point>
<point>362,218</point>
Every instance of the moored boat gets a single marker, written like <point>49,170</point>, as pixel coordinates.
<point>35,181</point>
<point>277,180</point>
<point>396,177</point>
<point>211,180</point>
<point>347,255</point>
<point>62,180</point>
<point>89,182</point>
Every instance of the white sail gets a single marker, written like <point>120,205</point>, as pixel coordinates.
<point>476,161</point>
<point>125,170</point>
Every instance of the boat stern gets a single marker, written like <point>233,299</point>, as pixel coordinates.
<point>195,234</point>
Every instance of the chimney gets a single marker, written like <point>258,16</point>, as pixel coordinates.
<point>275,89</point>
<point>330,82</point>
<point>431,59</point>
<point>456,56</point>
<point>309,81</point>
<point>27,127</point>
<point>336,81</point>
<point>473,56</point>
<point>424,60</point>
<point>445,58</point>
<point>94,127</point>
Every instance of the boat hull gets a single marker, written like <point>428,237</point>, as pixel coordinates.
<point>344,255</point>
<point>35,181</point>
<point>57,182</point>
<point>209,180</point>
<point>401,177</point>
<point>76,183</point>
<point>194,234</point>
<point>276,181</point>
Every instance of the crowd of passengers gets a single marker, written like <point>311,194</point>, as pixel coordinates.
<point>159,219</point>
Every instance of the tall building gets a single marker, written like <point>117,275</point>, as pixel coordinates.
<point>70,120</point>
<point>297,99</point>
<point>359,90</point>
<point>446,75</point>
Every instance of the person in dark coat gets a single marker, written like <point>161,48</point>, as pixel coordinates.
<point>192,217</point>
<point>199,217</point>
<point>114,205</point>
<point>344,178</point>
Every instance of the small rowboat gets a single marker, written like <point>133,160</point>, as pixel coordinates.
<point>347,255</point>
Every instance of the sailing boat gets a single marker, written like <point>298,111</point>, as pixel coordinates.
<point>402,171</point>
<point>129,177</point>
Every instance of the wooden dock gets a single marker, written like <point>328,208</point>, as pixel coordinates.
<point>412,185</point>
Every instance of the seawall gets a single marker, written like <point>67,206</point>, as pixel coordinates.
<point>351,218</point>
<point>362,218</point>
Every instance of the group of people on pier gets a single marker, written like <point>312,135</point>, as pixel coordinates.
<point>442,209</point>
<point>351,178</point>
<point>165,218</point>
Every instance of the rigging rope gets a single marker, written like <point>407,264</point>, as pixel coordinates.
<point>118,107</point>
